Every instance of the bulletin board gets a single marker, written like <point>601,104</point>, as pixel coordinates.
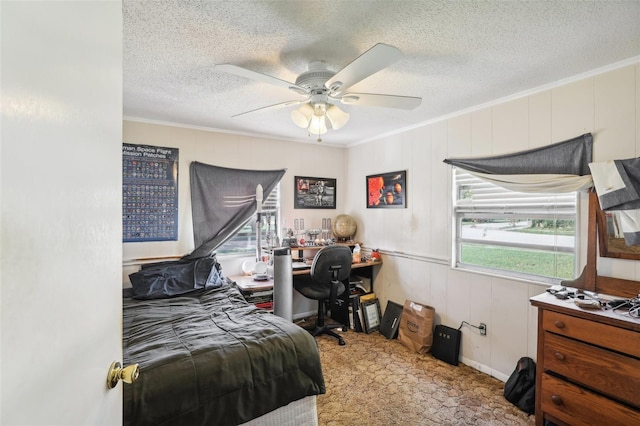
<point>149,193</point>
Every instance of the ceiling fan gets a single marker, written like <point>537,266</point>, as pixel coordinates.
<point>323,88</point>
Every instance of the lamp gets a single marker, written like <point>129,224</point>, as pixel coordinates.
<point>318,117</point>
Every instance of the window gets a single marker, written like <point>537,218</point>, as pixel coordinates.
<point>244,241</point>
<point>522,235</point>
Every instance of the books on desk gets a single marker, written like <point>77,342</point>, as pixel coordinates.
<point>259,293</point>
<point>265,305</point>
<point>256,286</point>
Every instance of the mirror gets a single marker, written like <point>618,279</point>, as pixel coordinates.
<point>589,279</point>
<point>610,238</point>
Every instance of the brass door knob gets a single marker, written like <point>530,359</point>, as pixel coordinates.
<point>127,374</point>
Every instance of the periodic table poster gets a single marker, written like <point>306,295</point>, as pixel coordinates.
<point>149,193</point>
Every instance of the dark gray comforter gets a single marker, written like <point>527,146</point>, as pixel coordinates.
<point>211,358</point>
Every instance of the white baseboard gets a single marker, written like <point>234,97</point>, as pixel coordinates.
<point>485,369</point>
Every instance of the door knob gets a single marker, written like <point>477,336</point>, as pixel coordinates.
<point>127,374</point>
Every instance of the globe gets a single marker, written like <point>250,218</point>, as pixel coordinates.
<point>344,227</point>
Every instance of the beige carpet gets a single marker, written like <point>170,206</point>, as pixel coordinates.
<point>375,381</point>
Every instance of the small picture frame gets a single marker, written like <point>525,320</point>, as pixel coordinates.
<point>387,190</point>
<point>314,193</point>
<point>371,315</point>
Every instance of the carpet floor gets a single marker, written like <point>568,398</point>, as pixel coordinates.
<point>375,381</point>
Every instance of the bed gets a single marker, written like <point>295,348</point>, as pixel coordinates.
<point>207,356</point>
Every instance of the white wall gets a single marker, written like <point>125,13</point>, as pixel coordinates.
<point>244,152</point>
<point>417,240</point>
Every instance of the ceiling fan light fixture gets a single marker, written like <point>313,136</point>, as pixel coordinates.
<point>337,117</point>
<point>302,116</point>
<point>319,109</point>
<point>318,125</point>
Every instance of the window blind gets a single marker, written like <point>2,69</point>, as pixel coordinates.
<point>244,240</point>
<point>477,196</point>
<point>518,234</point>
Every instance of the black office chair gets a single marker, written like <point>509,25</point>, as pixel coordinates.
<point>330,267</point>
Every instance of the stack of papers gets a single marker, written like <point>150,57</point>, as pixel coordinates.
<point>300,265</point>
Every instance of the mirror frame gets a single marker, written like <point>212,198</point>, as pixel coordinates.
<point>611,246</point>
<point>589,279</point>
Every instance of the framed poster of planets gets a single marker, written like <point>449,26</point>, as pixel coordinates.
<point>387,190</point>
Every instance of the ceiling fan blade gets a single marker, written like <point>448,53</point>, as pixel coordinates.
<point>275,106</point>
<point>264,78</point>
<point>377,100</point>
<point>370,62</point>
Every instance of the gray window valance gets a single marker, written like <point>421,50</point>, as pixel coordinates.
<point>566,167</point>
<point>570,157</point>
<point>557,168</point>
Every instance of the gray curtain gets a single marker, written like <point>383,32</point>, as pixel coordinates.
<point>571,157</point>
<point>617,184</point>
<point>222,200</point>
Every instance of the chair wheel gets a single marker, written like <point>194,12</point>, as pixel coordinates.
<point>345,328</point>
<point>341,342</point>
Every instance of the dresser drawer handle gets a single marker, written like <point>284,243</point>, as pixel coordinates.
<point>559,324</point>
<point>556,399</point>
<point>559,356</point>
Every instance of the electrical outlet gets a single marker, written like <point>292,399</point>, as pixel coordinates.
<point>483,329</point>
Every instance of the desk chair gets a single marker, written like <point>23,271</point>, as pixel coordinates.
<point>331,265</point>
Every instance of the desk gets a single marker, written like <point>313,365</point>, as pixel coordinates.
<point>354,266</point>
<point>340,311</point>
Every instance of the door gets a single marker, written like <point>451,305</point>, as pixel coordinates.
<point>60,193</point>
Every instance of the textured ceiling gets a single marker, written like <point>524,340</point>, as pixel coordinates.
<point>457,55</point>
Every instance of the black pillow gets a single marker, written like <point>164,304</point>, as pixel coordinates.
<point>170,279</point>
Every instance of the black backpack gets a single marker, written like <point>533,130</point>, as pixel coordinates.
<point>520,388</point>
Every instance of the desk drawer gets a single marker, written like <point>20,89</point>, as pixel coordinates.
<point>605,371</point>
<point>576,406</point>
<point>607,336</point>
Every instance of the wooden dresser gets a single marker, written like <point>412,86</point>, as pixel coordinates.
<point>588,365</point>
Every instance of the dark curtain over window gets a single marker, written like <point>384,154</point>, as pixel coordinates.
<point>570,157</point>
<point>222,200</point>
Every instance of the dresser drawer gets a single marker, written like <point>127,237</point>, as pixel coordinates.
<point>607,336</point>
<point>576,406</point>
<point>608,372</point>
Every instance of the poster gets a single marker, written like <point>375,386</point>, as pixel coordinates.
<point>314,193</point>
<point>387,190</point>
<point>149,193</point>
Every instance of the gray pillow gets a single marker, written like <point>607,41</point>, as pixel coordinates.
<point>170,279</point>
